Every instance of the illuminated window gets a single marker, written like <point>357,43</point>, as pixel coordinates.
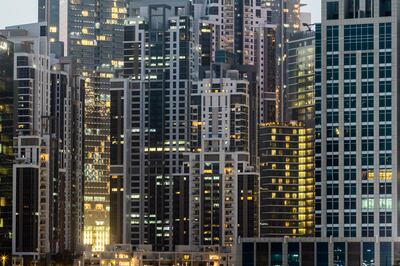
<point>87,42</point>
<point>367,203</point>
<point>2,201</point>
<point>385,175</point>
<point>385,203</point>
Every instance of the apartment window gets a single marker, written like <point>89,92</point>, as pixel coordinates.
<point>367,73</point>
<point>385,8</point>
<point>350,59</point>
<point>367,58</point>
<point>350,73</point>
<point>350,232</point>
<point>385,115</point>
<point>385,86</point>
<point>367,87</point>
<point>350,88</point>
<point>385,159</point>
<point>385,57</point>
<point>332,10</point>
<point>350,117</point>
<point>385,72</point>
<point>385,36</point>
<point>350,102</point>
<point>385,144</point>
<point>385,130</point>
<point>359,8</point>
<point>367,145</point>
<point>358,37</point>
<point>332,38</point>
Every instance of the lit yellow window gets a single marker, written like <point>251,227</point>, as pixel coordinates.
<point>2,201</point>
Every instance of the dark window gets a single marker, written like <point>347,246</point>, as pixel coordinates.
<point>332,10</point>
<point>385,8</point>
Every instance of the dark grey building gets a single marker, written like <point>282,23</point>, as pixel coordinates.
<point>158,48</point>
<point>118,111</point>
<point>7,132</point>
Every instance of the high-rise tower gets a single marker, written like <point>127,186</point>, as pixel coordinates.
<point>223,178</point>
<point>90,32</point>
<point>7,131</point>
<point>158,53</point>
<point>357,122</point>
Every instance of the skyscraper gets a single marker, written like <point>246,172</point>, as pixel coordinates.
<point>223,179</point>
<point>118,112</point>
<point>47,100</point>
<point>300,85</point>
<point>356,123</point>
<point>91,34</point>
<point>286,16</point>
<point>158,60</point>
<point>32,200</point>
<point>7,131</point>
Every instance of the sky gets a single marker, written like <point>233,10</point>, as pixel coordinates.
<point>313,6</point>
<point>13,12</point>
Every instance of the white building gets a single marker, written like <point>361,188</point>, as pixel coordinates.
<point>223,182</point>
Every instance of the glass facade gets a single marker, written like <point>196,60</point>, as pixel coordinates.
<point>96,168</point>
<point>355,125</point>
<point>6,142</point>
<point>276,254</point>
<point>368,253</point>
<point>385,253</point>
<point>293,254</point>
<point>301,77</point>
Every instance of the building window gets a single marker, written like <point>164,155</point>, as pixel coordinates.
<point>385,8</point>
<point>368,253</point>
<point>332,10</point>
<point>358,37</point>
<point>339,253</point>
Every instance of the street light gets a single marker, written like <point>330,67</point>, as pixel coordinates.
<point>4,259</point>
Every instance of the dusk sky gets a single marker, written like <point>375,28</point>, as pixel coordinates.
<point>27,11</point>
